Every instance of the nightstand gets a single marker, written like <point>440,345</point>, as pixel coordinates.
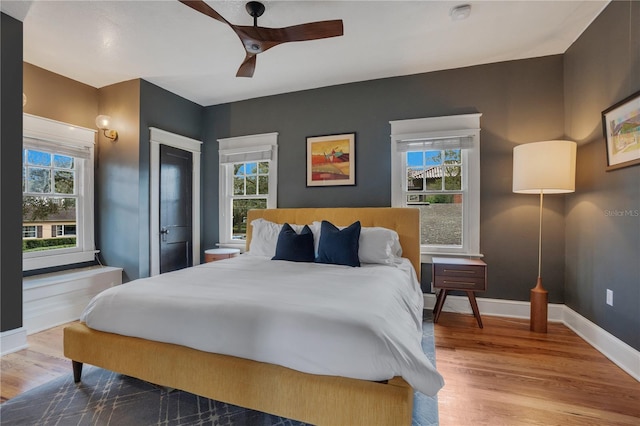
<point>212,255</point>
<point>454,273</point>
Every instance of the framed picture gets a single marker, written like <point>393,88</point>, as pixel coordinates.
<point>331,160</point>
<point>621,127</point>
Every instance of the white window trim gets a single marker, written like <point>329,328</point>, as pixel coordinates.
<point>443,127</point>
<point>35,231</point>
<point>159,137</point>
<point>239,145</point>
<point>48,130</point>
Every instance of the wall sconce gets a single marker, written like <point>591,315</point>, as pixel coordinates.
<point>24,99</point>
<point>104,122</point>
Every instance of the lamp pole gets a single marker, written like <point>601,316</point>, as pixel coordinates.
<point>539,296</point>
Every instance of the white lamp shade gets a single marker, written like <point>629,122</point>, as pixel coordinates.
<point>103,122</point>
<point>544,167</point>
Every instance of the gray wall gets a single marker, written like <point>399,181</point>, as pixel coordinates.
<point>122,173</point>
<point>521,101</point>
<point>603,249</point>
<point>10,169</point>
<point>117,194</point>
<point>167,111</point>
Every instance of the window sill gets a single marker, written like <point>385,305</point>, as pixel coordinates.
<point>31,263</point>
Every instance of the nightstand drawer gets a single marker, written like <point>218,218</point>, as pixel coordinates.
<point>468,271</point>
<point>460,283</point>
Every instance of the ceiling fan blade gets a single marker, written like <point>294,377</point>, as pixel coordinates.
<point>204,8</point>
<point>312,31</point>
<point>274,36</point>
<point>248,66</point>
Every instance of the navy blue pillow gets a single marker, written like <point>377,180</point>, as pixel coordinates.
<point>339,247</point>
<point>295,247</point>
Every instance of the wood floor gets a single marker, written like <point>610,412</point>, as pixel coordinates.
<point>505,374</point>
<point>41,362</point>
<point>500,375</point>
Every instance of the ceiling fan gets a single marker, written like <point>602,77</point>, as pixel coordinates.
<point>258,39</point>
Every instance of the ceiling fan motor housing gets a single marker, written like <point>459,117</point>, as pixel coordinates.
<point>255,9</point>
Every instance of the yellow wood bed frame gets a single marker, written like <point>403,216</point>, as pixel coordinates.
<point>320,400</point>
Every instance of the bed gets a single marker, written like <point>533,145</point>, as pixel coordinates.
<point>264,386</point>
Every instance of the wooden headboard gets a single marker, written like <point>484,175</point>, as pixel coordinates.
<point>405,221</point>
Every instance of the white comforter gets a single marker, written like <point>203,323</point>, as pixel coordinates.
<point>362,323</point>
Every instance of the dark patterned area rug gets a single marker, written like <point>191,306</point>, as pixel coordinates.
<point>107,398</point>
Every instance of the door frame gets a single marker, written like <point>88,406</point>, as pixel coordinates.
<point>161,137</point>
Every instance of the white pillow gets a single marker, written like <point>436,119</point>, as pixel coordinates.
<point>376,244</point>
<point>379,245</point>
<point>264,236</point>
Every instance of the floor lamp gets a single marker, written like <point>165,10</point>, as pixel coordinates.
<point>543,168</point>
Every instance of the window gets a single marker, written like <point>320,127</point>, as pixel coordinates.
<point>250,191</point>
<point>434,185</point>
<point>436,168</point>
<point>248,180</point>
<point>57,193</point>
<point>31,231</point>
<point>48,195</point>
<point>62,230</point>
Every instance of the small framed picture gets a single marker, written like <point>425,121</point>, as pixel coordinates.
<point>331,160</point>
<point>621,127</point>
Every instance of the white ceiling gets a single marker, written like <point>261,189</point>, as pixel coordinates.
<point>169,44</point>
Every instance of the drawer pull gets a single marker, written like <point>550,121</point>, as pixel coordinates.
<point>460,283</point>
<point>460,270</point>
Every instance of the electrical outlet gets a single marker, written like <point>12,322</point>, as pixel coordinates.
<point>609,297</point>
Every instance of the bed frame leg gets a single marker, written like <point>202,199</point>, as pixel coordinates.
<point>77,371</point>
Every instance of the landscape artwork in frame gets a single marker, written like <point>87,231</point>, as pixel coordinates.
<point>621,125</point>
<point>331,160</point>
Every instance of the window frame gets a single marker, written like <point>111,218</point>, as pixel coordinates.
<point>61,230</point>
<point>68,138</point>
<point>442,128</point>
<point>55,229</point>
<point>236,150</point>
<point>35,231</point>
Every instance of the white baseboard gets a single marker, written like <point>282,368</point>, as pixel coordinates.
<point>13,340</point>
<point>621,354</point>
